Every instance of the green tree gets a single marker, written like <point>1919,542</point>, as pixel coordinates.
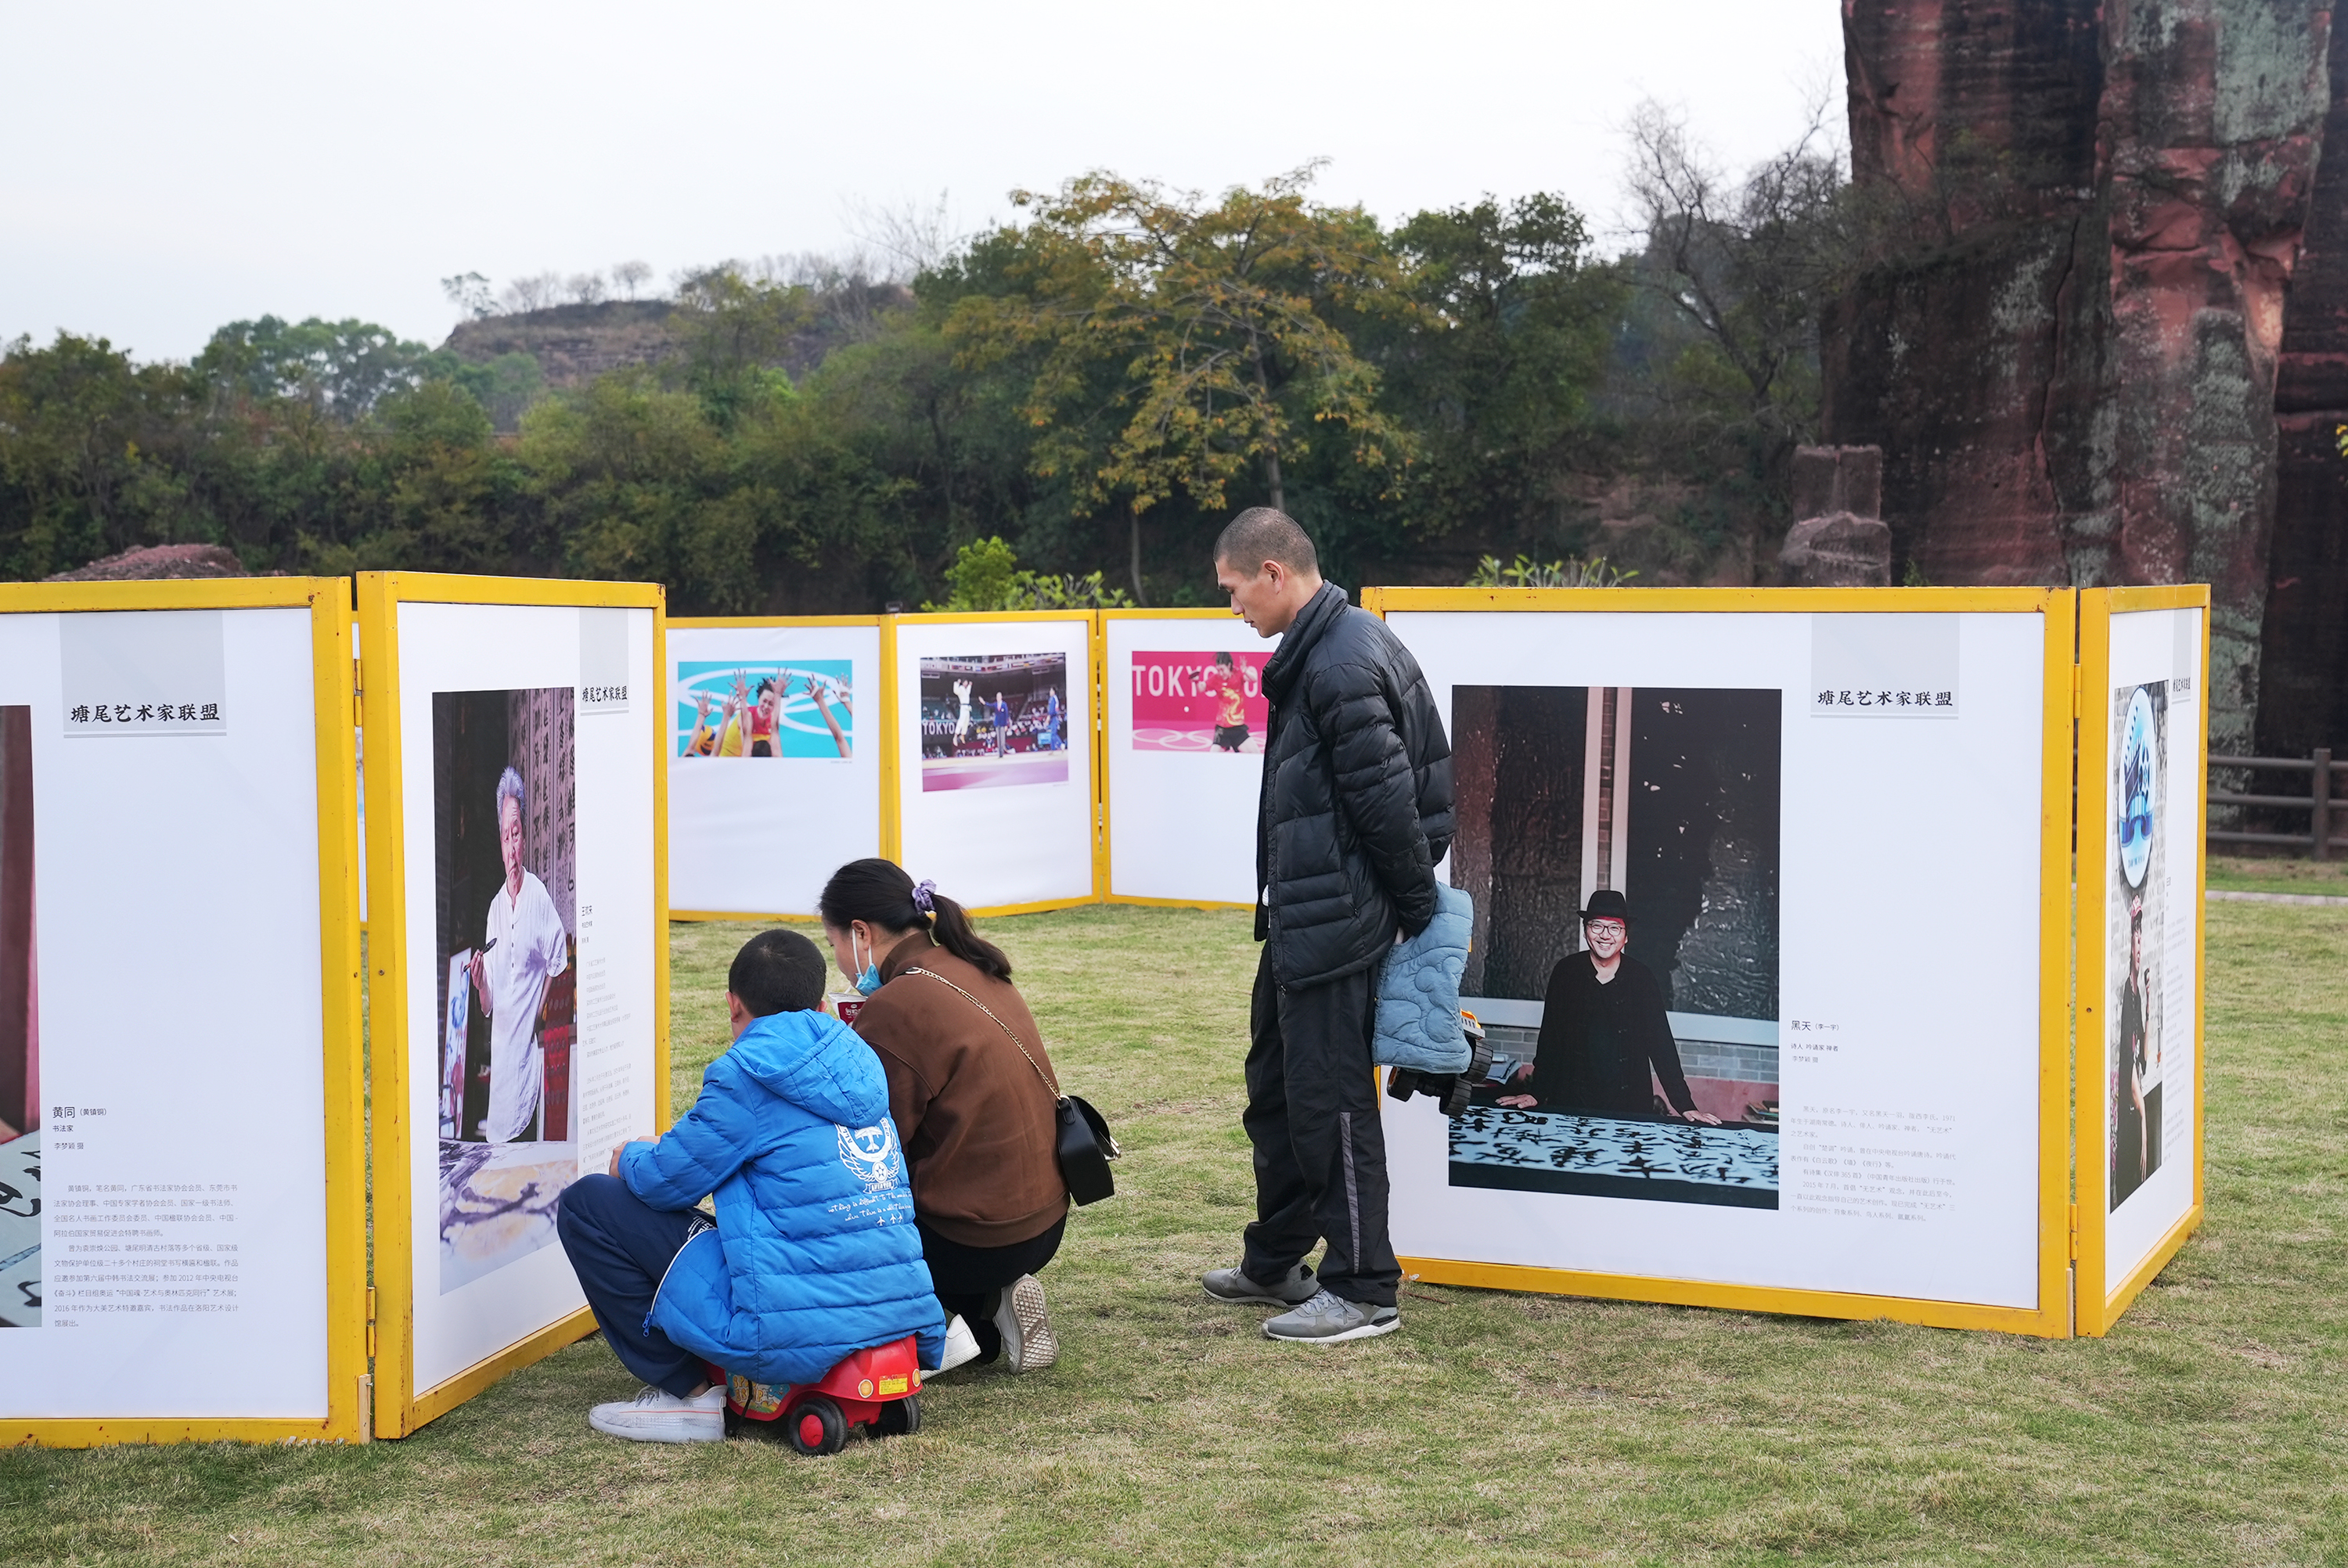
<point>1498,374</point>
<point>343,368</point>
<point>1220,324</point>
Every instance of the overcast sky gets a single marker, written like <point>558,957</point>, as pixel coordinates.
<point>171,167</point>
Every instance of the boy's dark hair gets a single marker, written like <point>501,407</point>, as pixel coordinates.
<point>777,971</point>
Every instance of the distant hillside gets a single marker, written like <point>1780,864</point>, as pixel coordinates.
<point>574,343</point>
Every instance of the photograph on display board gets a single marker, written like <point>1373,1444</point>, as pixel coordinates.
<point>994,719</point>
<point>2138,922</point>
<point>728,708</point>
<point>1620,845</point>
<point>20,1034</point>
<point>1196,701</point>
<point>505,886</point>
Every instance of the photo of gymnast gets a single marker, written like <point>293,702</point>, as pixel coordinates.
<point>731,709</point>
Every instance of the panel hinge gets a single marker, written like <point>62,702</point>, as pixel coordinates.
<point>2074,1233</point>
<point>370,1322</point>
<point>2074,690</point>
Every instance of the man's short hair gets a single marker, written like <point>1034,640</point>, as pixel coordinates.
<point>777,971</point>
<point>1264,533</point>
<point>512,788</point>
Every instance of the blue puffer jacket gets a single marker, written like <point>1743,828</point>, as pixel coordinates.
<point>1418,1023</point>
<point>814,1253</point>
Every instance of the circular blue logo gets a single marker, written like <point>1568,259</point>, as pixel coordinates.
<point>2139,789</point>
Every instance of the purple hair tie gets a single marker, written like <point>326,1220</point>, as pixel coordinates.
<point>921,891</point>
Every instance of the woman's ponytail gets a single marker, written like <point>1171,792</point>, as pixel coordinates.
<point>950,926</point>
<point>879,893</point>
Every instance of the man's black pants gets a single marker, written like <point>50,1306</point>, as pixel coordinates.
<point>1320,1148</point>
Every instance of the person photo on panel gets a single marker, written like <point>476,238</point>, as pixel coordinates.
<point>1605,1039</point>
<point>971,1087</point>
<point>1355,811</point>
<point>766,719</point>
<point>811,1258</point>
<point>961,689</point>
<point>1231,705</point>
<point>704,734</point>
<point>1000,717</point>
<point>2134,1152</point>
<point>824,695</point>
<point>523,947</point>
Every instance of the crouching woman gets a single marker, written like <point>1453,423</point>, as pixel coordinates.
<point>969,1088</point>
<point>813,1255</point>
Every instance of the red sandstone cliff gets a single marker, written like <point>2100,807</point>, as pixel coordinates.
<point>2067,348</point>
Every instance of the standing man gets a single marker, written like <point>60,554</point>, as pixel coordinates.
<point>1355,812</point>
<point>1000,717</point>
<point>524,946</point>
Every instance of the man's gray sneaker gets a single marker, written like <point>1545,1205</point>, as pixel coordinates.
<point>1295,1287</point>
<point>1326,1319</point>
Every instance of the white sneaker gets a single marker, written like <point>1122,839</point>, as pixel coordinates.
<point>1028,1343</point>
<point>962,1346</point>
<point>657,1416</point>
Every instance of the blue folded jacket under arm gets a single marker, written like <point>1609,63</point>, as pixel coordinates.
<point>1418,992</point>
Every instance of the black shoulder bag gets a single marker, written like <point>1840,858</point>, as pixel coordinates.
<point>1084,1147</point>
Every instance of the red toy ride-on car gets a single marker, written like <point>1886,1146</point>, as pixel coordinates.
<point>879,1388</point>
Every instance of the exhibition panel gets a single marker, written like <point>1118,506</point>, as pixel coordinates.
<point>182,1176</point>
<point>2143,779</point>
<point>1839,823</point>
<point>751,841</point>
<point>1183,711</point>
<point>517,771</point>
<point>995,794</point>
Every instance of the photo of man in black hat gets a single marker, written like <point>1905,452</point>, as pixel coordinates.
<point>1605,1040</point>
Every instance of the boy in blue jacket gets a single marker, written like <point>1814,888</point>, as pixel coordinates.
<point>814,1254</point>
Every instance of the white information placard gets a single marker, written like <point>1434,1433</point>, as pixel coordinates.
<point>993,716</point>
<point>2144,723</point>
<point>523,745</point>
<point>1824,1085</point>
<point>774,762</point>
<point>1182,694</point>
<point>182,1238</point>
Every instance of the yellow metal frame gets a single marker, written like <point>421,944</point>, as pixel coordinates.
<point>887,745</point>
<point>893,818</point>
<point>400,1408</point>
<point>2098,1309</point>
<point>1102,877</point>
<point>329,603</point>
<point>2059,607</point>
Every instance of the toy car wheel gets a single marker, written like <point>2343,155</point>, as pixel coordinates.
<point>900,1417</point>
<point>815,1426</point>
<point>1455,1101</point>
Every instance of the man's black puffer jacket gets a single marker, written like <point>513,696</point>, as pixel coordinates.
<point>1356,804</point>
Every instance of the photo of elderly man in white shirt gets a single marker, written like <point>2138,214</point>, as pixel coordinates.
<point>524,946</point>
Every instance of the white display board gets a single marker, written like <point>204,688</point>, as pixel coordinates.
<point>524,747</point>
<point>999,815</point>
<point>1831,833</point>
<point>1182,695</point>
<point>2140,1031</point>
<point>178,1017</point>
<point>757,822</point>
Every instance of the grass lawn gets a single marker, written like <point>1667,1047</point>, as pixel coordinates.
<point>1494,1429</point>
<point>2243,873</point>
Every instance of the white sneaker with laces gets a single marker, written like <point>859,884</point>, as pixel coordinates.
<point>657,1416</point>
<point>1028,1343</point>
<point>962,1346</point>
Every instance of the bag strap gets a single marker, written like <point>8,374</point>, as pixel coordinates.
<point>989,1011</point>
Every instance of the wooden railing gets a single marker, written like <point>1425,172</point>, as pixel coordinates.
<point>2317,802</point>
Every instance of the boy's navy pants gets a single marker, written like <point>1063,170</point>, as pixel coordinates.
<point>620,1246</point>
